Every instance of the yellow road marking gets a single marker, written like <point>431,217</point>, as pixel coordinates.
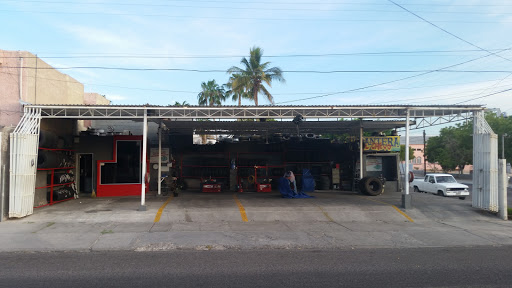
<point>325,214</point>
<point>396,208</point>
<point>241,208</point>
<point>401,212</point>
<point>159,213</point>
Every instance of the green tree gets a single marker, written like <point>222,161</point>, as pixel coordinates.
<point>211,94</point>
<point>453,148</point>
<point>434,150</point>
<point>254,74</point>
<point>501,125</point>
<point>402,153</point>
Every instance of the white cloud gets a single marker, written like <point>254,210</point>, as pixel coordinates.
<point>115,97</point>
<point>97,36</point>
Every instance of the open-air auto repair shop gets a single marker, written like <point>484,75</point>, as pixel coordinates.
<point>52,157</point>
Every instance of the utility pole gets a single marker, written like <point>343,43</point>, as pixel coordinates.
<point>424,153</point>
<point>503,145</point>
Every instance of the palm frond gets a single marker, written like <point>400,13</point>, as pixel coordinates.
<point>247,82</point>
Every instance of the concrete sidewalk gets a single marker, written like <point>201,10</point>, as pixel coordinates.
<point>216,221</point>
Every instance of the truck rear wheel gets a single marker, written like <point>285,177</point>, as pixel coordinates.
<point>416,189</point>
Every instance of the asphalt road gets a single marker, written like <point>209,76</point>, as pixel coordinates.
<point>426,267</point>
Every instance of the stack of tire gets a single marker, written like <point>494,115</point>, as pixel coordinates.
<point>52,158</point>
<point>371,186</point>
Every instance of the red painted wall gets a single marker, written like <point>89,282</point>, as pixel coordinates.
<point>113,190</point>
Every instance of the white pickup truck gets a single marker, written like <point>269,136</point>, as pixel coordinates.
<point>442,185</point>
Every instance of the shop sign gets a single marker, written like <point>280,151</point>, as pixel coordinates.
<point>382,144</point>
<point>374,164</point>
<point>153,155</point>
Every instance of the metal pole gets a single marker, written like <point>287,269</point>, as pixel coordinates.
<point>35,84</point>
<point>424,151</point>
<point>503,145</point>
<point>159,158</point>
<point>2,194</point>
<point>406,197</point>
<point>2,182</point>
<point>21,78</point>
<point>144,159</point>
<point>502,189</point>
<point>361,152</point>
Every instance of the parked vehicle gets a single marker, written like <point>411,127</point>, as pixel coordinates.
<point>442,185</point>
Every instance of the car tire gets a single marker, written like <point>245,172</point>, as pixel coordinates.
<point>462,198</point>
<point>416,189</point>
<point>440,193</point>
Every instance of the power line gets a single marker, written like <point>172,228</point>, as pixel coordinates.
<point>316,8</point>
<point>446,31</point>
<point>284,71</point>
<point>279,3</point>
<point>106,85</point>
<point>389,82</point>
<point>443,96</point>
<point>288,93</point>
<point>239,18</point>
<point>488,95</point>
<point>159,56</point>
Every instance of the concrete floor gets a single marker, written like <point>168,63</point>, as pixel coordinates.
<point>196,220</point>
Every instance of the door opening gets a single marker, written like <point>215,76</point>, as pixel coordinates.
<point>85,175</point>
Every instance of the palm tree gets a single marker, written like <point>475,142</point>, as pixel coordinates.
<point>212,94</point>
<point>254,74</point>
<point>237,92</point>
<point>184,103</point>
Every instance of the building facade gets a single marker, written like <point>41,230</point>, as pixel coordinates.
<point>25,78</point>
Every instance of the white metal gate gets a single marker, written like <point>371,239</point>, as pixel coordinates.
<point>485,165</point>
<point>23,164</point>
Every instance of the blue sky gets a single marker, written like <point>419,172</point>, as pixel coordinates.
<point>358,43</point>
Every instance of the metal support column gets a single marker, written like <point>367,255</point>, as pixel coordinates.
<point>503,145</point>
<point>2,168</point>
<point>144,160</point>
<point>502,189</point>
<point>406,197</point>
<point>361,152</point>
<point>159,159</point>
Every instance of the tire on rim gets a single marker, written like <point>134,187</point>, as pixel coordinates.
<point>440,193</point>
<point>416,189</point>
<point>371,186</point>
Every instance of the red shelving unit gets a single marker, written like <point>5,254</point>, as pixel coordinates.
<point>52,184</point>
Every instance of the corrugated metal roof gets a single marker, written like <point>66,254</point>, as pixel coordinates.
<point>262,106</point>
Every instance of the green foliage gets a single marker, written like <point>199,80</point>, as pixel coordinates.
<point>501,125</point>
<point>338,138</point>
<point>253,75</point>
<point>237,91</point>
<point>176,103</point>
<point>453,148</point>
<point>402,153</point>
<point>211,94</point>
